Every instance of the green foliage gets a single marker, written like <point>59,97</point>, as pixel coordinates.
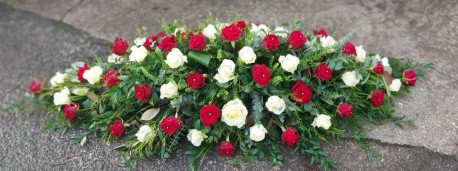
<point>103,105</point>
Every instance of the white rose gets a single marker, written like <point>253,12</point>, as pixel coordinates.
<point>323,121</point>
<point>257,132</point>
<point>175,58</point>
<point>350,78</point>
<point>210,32</point>
<point>80,91</point>
<point>247,55</point>
<point>113,58</point>
<point>289,62</point>
<point>62,97</point>
<point>57,79</point>
<point>225,71</point>
<point>234,113</point>
<point>144,133</point>
<point>395,85</point>
<point>275,104</point>
<point>196,137</point>
<point>139,41</point>
<point>169,90</point>
<point>138,53</point>
<point>360,54</point>
<point>281,32</point>
<point>327,41</point>
<point>261,30</point>
<point>93,75</point>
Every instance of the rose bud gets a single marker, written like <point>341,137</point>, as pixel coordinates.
<point>209,114</point>
<point>270,43</point>
<point>378,68</point>
<point>290,137</point>
<point>231,33</point>
<point>344,110</point>
<point>301,93</point>
<point>35,86</point>
<point>111,78</point>
<point>119,47</point>
<point>377,97</point>
<point>117,128</point>
<point>197,42</point>
<point>170,125</point>
<point>81,71</point>
<point>70,111</point>
<point>349,49</point>
<point>186,34</point>
<point>296,39</point>
<point>261,74</point>
<point>409,77</point>
<point>226,148</point>
<point>167,43</point>
<point>323,72</point>
<point>143,92</point>
<point>321,32</point>
<point>152,40</point>
<point>241,24</point>
<point>195,80</point>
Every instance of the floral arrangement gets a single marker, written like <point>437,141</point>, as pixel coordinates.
<point>233,88</point>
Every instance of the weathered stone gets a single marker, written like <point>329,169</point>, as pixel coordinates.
<point>54,9</point>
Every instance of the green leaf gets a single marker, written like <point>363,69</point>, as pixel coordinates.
<point>201,58</point>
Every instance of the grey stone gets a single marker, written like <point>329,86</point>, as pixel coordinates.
<point>424,31</point>
<point>54,9</point>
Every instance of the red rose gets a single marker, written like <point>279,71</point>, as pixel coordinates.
<point>270,43</point>
<point>377,97</point>
<point>301,93</point>
<point>170,125</point>
<point>261,74</point>
<point>81,71</point>
<point>241,24</point>
<point>167,43</point>
<point>231,33</point>
<point>409,77</point>
<point>349,49</point>
<point>143,92</point>
<point>35,86</point>
<point>111,78</point>
<point>321,32</point>
<point>196,80</point>
<point>152,39</point>
<point>378,69</point>
<point>119,47</point>
<point>290,137</point>
<point>296,39</point>
<point>323,72</point>
<point>209,114</point>
<point>117,128</point>
<point>197,42</point>
<point>344,110</point>
<point>226,148</point>
<point>70,111</point>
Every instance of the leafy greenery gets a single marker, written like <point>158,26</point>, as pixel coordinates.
<point>102,105</point>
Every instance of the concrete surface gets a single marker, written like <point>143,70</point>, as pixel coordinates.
<point>34,47</point>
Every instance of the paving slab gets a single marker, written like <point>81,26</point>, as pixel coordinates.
<point>34,47</point>
<point>424,31</point>
<point>54,9</point>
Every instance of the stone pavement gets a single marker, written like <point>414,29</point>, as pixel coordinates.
<point>69,30</point>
